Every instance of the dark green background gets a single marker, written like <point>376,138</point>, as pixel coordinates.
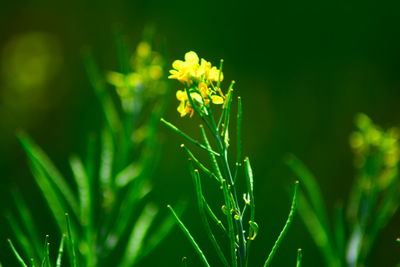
<point>303,69</point>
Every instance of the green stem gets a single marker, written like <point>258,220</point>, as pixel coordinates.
<point>223,150</point>
<point>190,237</point>
<point>285,228</point>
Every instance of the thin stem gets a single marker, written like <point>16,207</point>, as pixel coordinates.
<point>19,258</point>
<point>299,258</point>
<point>285,228</point>
<point>190,237</point>
<point>223,150</point>
<point>187,137</point>
<point>200,199</point>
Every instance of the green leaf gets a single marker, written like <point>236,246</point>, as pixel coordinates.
<point>54,201</point>
<point>155,237</point>
<point>127,175</point>
<point>138,234</point>
<point>71,244</point>
<point>54,178</point>
<point>106,159</point>
<point>311,187</point>
<point>30,228</point>
<point>98,83</point>
<point>85,194</point>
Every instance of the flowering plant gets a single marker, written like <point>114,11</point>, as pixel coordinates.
<point>202,90</point>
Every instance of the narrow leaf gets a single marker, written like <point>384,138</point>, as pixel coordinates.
<point>138,235</point>
<point>41,160</point>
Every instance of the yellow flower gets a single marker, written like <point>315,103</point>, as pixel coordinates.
<point>198,75</point>
<point>143,49</point>
<point>209,95</point>
<point>184,107</point>
<point>190,70</point>
<point>214,74</point>
<point>123,83</point>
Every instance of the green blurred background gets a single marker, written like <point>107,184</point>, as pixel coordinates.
<point>303,68</point>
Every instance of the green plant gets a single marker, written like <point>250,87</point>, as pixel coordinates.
<point>201,93</point>
<point>112,220</point>
<point>372,202</point>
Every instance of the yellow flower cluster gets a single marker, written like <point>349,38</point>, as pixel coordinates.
<point>371,141</point>
<point>198,76</point>
<point>148,72</point>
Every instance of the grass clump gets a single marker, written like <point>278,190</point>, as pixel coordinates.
<point>111,220</point>
<point>373,200</point>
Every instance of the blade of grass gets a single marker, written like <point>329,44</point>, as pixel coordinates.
<point>106,159</point>
<point>30,228</point>
<point>311,187</point>
<point>128,174</point>
<point>197,143</point>
<point>340,236</point>
<point>86,197</point>
<point>138,235</point>
<point>37,156</point>
<point>285,228</point>
<point>19,258</point>
<point>98,84</point>
<point>317,231</point>
<point>91,156</point>
<point>71,245</point>
<point>190,237</point>
<point>55,203</point>
<point>85,194</point>
<point>156,236</point>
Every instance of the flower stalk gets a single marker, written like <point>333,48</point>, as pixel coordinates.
<point>202,91</point>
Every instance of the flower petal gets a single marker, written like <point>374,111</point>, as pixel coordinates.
<point>217,99</point>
